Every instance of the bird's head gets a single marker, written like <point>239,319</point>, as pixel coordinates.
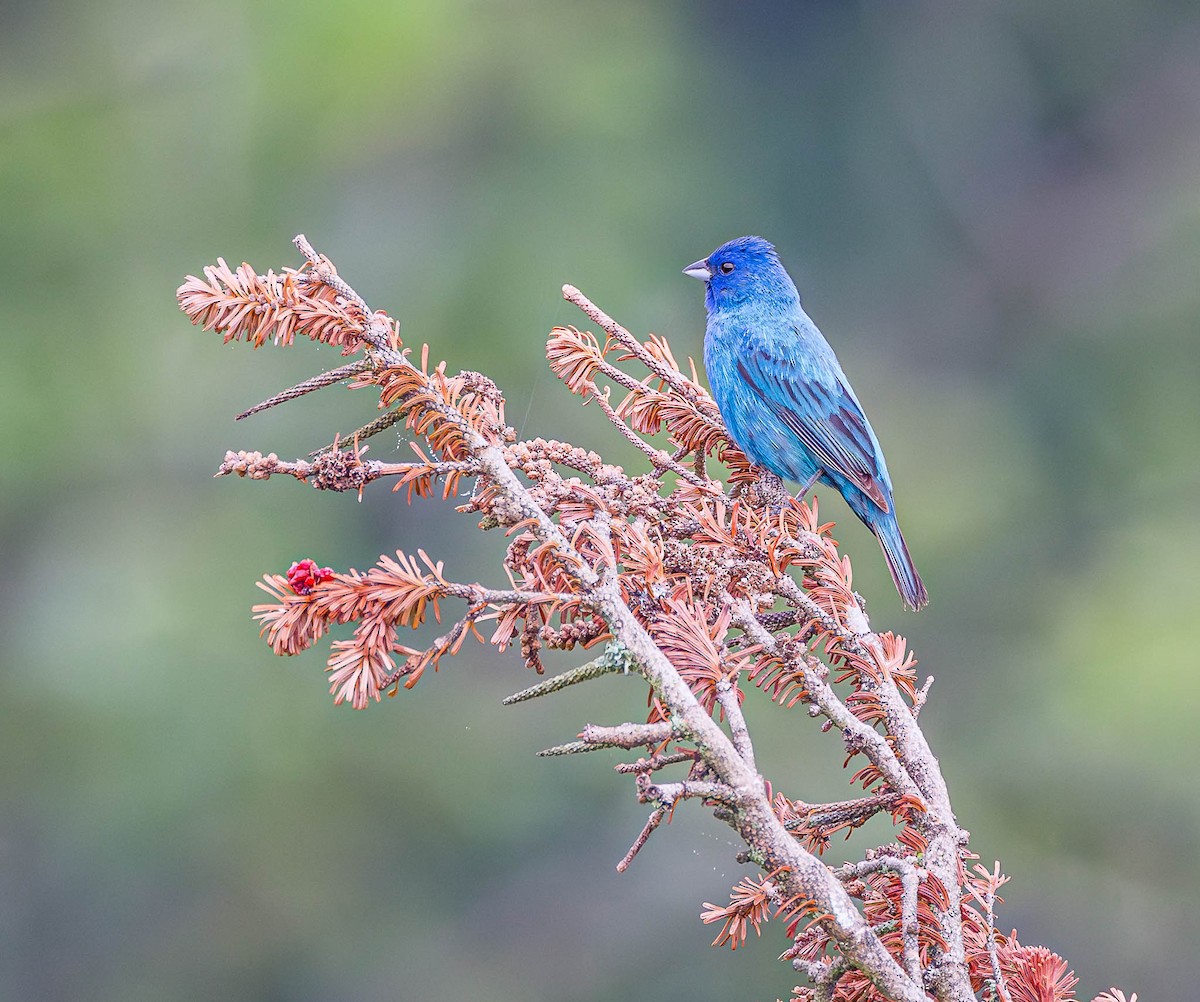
<point>741,269</point>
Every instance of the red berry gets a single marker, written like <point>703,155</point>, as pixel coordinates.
<point>304,575</point>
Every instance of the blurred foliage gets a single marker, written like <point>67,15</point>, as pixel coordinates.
<point>993,212</point>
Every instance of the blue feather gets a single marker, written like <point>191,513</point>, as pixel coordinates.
<point>784,398</point>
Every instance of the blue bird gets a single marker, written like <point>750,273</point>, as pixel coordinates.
<point>784,398</point>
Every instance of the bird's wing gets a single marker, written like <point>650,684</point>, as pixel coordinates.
<point>824,416</point>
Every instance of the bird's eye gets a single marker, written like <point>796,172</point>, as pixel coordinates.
<point>727,267</point>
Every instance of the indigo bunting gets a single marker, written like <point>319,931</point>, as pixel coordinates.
<point>784,398</point>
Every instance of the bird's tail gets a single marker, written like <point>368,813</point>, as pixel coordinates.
<point>895,551</point>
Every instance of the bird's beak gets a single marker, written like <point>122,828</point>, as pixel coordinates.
<point>698,270</point>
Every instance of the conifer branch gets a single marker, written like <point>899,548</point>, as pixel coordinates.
<point>691,583</point>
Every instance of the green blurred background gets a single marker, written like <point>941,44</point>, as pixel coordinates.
<point>994,213</point>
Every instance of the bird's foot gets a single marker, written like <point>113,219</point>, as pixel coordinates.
<point>768,491</point>
<point>808,484</point>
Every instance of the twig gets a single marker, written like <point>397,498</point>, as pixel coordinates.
<point>614,659</point>
<point>658,459</point>
<point>323,270</point>
<point>669,794</point>
<point>382,423</point>
<point>656,817</point>
<point>448,643</point>
<point>631,735</point>
<point>377,332</point>
<point>594,737</point>
<point>922,695</point>
<point>727,696</point>
<point>308,385</point>
<point>333,471</point>
<point>910,878</point>
<point>655,762</point>
<point>686,390</point>
<point>989,903</point>
<point>832,816</point>
<point>476,593</point>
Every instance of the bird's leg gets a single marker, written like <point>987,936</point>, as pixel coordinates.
<point>808,484</point>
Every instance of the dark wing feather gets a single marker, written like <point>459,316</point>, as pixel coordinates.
<point>824,417</point>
